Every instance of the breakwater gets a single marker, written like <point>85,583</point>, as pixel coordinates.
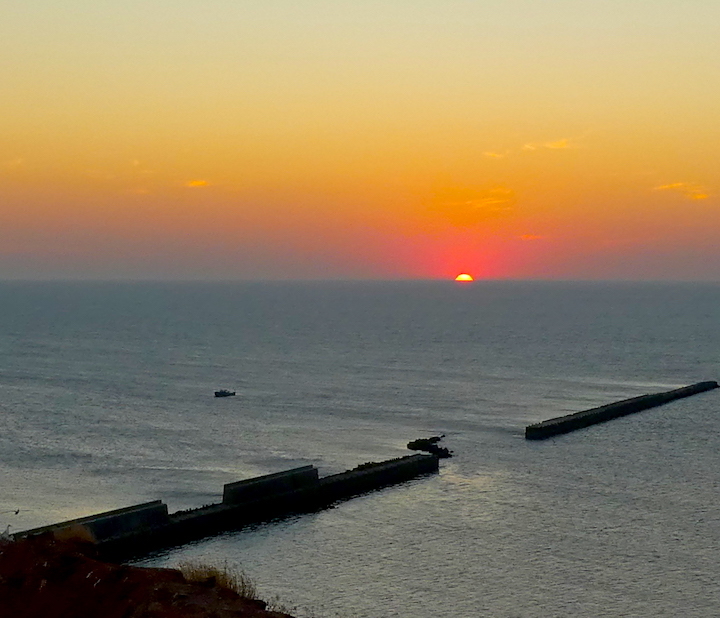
<point>571,422</point>
<point>140,529</point>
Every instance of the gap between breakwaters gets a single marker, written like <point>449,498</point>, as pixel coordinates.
<point>586,418</point>
<point>140,529</point>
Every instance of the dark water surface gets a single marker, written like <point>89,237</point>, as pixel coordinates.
<point>106,401</point>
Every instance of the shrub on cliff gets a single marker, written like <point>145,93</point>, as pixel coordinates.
<point>228,577</point>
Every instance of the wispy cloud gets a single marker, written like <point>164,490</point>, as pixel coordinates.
<point>468,206</point>
<point>495,199</point>
<point>558,144</point>
<point>196,183</point>
<point>563,143</point>
<point>686,189</point>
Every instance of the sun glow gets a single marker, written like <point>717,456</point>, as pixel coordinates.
<point>464,277</point>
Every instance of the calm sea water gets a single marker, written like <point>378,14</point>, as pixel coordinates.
<point>106,400</point>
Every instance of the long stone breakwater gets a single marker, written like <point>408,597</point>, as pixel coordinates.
<point>140,529</point>
<point>566,424</point>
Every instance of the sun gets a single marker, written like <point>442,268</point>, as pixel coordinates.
<point>464,277</point>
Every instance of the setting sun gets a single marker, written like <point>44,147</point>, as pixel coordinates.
<point>464,277</point>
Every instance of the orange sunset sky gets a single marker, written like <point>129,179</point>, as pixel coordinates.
<point>314,139</point>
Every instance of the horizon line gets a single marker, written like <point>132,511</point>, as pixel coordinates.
<point>129,280</point>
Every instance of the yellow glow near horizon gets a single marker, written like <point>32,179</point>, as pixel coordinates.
<point>464,277</point>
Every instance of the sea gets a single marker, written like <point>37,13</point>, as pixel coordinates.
<point>106,400</point>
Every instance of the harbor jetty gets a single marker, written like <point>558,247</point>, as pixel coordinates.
<point>137,530</point>
<point>572,422</point>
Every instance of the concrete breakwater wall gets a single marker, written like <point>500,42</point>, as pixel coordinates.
<point>108,525</point>
<point>566,424</point>
<point>137,530</point>
<point>373,476</point>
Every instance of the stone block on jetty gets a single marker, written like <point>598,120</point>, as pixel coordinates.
<point>108,525</point>
<point>270,484</point>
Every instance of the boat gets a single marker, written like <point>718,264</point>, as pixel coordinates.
<point>223,392</point>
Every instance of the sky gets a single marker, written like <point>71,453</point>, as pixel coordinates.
<point>363,139</point>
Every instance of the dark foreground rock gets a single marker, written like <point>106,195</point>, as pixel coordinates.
<point>430,445</point>
<point>44,578</point>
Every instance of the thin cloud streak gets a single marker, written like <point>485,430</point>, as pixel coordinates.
<point>686,189</point>
<point>563,143</point>
<point>497,155</point>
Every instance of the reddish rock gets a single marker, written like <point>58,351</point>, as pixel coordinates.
<point>44,578</point>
